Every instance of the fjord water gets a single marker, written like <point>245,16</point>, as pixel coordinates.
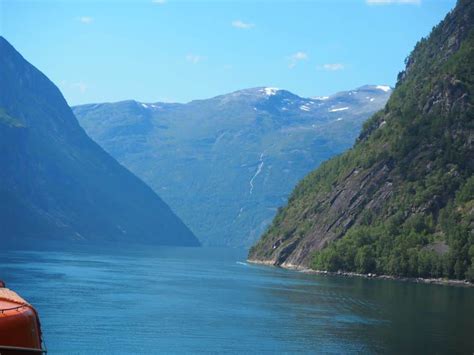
<point>171,300</point>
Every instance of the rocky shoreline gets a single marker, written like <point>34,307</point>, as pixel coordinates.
<point>439,281</point>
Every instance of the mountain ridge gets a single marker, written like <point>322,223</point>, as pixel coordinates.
<point>216,161</point>
<point>251,92</point>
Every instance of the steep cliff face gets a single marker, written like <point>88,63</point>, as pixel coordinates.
<point>401,200</point>
<point>56,183</point>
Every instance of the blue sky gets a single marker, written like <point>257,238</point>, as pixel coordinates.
<point>165,50</point>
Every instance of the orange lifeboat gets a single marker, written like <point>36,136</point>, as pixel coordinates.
<point>20,330</point>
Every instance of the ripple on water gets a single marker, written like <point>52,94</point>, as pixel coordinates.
<point>209,300</point>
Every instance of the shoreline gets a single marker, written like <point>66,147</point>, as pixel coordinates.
<point>305,270</point>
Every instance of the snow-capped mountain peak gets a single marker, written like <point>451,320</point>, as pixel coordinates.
<point>270,91</point>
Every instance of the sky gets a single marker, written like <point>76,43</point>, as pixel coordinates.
<point>178,51</point>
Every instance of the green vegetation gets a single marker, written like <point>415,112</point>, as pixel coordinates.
<point>399,246</point>
<point>433,159</point>
<point>424,139</point>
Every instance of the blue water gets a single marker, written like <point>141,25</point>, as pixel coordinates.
<point>174,300</point>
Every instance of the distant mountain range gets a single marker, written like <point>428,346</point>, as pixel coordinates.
<point>56,183</point>
<point>401,201</point>
<point>225,164</point>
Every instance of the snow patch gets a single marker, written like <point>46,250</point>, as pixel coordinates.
<point>270,91</point>
<point>145,105</point>
<point>321,97</point>
<point>385,88</point>
<point>339,109</point>
<point>305,108</point>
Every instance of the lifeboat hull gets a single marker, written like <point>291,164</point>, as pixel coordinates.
<point>20,331</point>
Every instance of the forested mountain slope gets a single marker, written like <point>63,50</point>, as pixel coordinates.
<point>56,183</point>
<point>400,202</point>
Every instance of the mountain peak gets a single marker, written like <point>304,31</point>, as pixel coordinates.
<point>269,91</point>
<point>256,91</point>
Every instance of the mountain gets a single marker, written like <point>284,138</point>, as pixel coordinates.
<point>225,164</point>
<point>56,183</point>
<point>401,201</point>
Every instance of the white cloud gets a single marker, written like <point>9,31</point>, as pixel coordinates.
<point>194,58</point>
<point>388,2</point>
<point>297,57</point>
<point>242,25</point>
<point>331,66</point>
<point>159,2</point>
<point>86,19</point>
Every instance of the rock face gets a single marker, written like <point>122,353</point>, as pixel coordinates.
<point>361,190</point>
<point>407,184</point>
<point>56,183</point>
<point>225,164</point>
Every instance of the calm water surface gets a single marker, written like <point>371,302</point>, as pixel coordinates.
<point>209,300</point>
